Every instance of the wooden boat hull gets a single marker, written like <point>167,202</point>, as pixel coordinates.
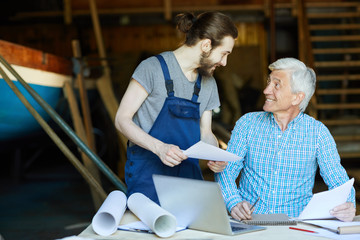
<point>45,73</point>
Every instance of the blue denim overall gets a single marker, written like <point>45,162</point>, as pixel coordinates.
<point>178,123</point>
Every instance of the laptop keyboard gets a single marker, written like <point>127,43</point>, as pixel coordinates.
<point>236,228</point>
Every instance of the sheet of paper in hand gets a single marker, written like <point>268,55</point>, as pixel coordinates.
<point>206,151</point>
<point>321,203</point>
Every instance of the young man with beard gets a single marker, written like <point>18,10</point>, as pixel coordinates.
<point>168,104</point>
<point>281,149</point>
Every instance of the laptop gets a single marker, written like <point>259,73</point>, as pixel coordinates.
<point>198,204</point>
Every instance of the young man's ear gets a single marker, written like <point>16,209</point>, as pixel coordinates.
<point>206,45</point>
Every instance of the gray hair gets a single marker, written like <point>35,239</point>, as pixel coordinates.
<point>302,79</point>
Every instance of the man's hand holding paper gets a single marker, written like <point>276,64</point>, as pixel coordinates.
<point>206,151</point>
<point>344,212</point>
<point>331,203</point>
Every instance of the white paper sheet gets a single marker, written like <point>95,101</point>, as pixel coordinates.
<point>331,235</point>
<point>107,218</point>
<point>160,221</point>
<point>206,151</point>
<point>140,226</point>
<point>321,203</point>
<point>332,224</point>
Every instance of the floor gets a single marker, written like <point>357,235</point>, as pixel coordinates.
<point>42,194</point>
<point>45,207</point>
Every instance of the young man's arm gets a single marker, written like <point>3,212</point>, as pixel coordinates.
<point>134,96</point>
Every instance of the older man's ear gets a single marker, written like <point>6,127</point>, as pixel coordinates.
<point>298,97</point>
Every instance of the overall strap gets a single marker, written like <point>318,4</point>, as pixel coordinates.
<point>168,82</point>
<point>197,88</point>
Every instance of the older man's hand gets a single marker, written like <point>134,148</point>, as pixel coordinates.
<point>217,166</point>
<point>344,212</point>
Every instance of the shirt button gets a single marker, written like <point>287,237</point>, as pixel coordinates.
<point>279,136</point>
<point>131,163</point>
<point>273,191</point>
<point>130,175</point>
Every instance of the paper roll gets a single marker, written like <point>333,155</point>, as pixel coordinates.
<point>160,221</point>
<point>107,218</point>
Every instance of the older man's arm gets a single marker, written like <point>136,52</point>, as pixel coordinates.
<point>334,173</point>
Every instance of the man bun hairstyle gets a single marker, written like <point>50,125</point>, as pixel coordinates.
<point>208,25</point>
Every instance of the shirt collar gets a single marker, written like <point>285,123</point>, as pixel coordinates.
<point>292,123</point>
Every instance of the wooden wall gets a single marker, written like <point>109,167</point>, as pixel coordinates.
<point>125,45</point>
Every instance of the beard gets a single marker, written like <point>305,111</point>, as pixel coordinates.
<point>206,65</point>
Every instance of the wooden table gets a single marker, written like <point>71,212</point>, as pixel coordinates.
<point>272,232</point>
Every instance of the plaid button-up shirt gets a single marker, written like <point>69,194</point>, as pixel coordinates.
<point>280,167</point>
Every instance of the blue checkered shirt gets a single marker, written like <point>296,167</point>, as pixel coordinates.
<point>280,167</point>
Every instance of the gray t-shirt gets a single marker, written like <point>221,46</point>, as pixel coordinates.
<point>149,74</point>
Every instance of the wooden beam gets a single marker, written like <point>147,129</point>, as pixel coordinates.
<point>341,26</point>
<point>336,50</point>
<point>67,12</point>
<point>334,122</point>
<point>334,15</point>
<point>324,106</point>
<point>104,84</point>
<point>335,38</point>
<point>80,131</point>
<point>84,98</point>
<point>141,10</point>
<point>272,31</point>
<point>337,91</point>
<point>324,64</point>
<point>167,10</point>
<point>342,77</point>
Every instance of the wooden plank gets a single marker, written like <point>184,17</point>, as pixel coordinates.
<point>335,38</point>
<point>84,99</point>
<point>323,106</point>
<point>349,77</point>
<point>333,15</point>
<point>335,50</point>
<point>328,4</point>
<point>349,154</point>
<point>67,12</point>
<point>333,122</point>
<point>141,10</point>
<point>80,131</point>
<point>104,85</point>
<point>324,64</point>
<point>347,138</point>
<point>167,10</point>
<point>334,26</point>
<point>337,91</point>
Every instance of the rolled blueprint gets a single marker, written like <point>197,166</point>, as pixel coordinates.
<point>107,218</point>
<point>160,221</point>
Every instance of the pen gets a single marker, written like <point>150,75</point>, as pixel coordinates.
<point>304,230</point>
<point>137,230</point>
<point>251,208</point>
